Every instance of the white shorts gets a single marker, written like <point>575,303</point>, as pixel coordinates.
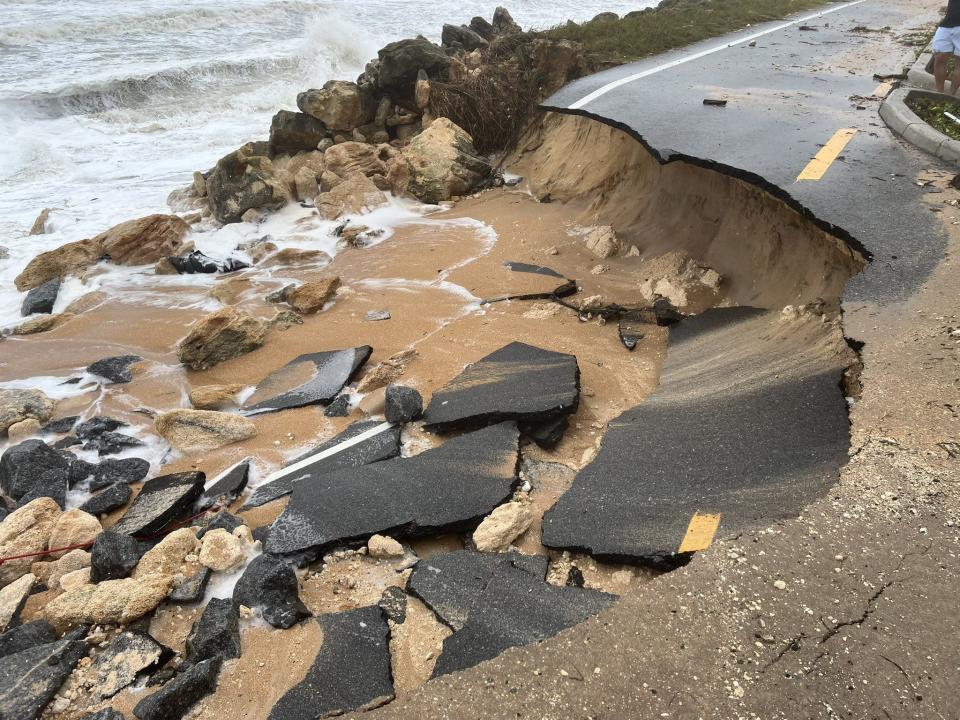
<point>947,40</point>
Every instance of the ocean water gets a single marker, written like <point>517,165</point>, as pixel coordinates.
<point>106,106</point>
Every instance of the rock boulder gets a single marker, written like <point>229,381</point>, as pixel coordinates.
<point>442,162</point>
<point>292,132</point>
<point>353,196</point>
<point>222,335</point>
<point>144,240</point>
<point>26,530</point>
<point>70,259</point>
<point>19,405</point>
<point>400,63</point>
<point>244,180</point>
<point>312,296</point>
<point>114,602</point>
<point>193,430</point>
<point>340,106</point>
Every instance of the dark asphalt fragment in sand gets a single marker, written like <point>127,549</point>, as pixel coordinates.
<point>24,637</point>
<point>449,487</point>
<point>30,678</point>
<point>41,299</point>
<point>382,446</point>
<point>520,382</point>
<point>313,379</point>
<point>192,589</point>
<point>161,501</point>
<point>351,670</point>
<point>270,585</point>
<point>127,655</point>
<point>216,633</point>
<point>226,488</point>
<point>176,697</point>
<point>748,426</point>
<point>196,262</point>
<point>125,470</point>
<point>497,601</point>
<point>115,369</point>
<point>110,498</point>
<point>63,425</point>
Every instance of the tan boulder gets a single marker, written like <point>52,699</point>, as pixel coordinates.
<point>40,224</point>
<point>297,257</point>
<point>603,242</point>
<point>19,405</point>
<point>442,163</point>
<point>70,259</point>
<point>23,430</point>
<point>353,196</point>
<point>386,372</point>
<point>111,602</point>
<point>214,397</point>
<point>312,296</point>
<point>12,598</point>
<point>42,323</point>
<point>86,302</point>
<point>339,105</point>
<point>144,240</point>
<point>73,527</point>
<point>75,579</point>
<point>383,546</point>
<point>305,184</point>
<point>221,551</point>
<point>222,335</point>
<point>166,557</point>
<point>352,158</point>
<point>50,572</point>
<point>501,527</point>
<point>26,530</point>
<point>194,430</point>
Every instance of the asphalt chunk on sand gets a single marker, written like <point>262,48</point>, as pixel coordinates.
<point>536,388</point>
<point>312,379</point>
<point>226,488</point>
<point>497,601</point>
<point>351,670</point>
<point>382,446</point>
<point>161,501</point>
<point>531,282</point>
<point>447,488</point>
<point>749,425</point>
<point>30,678</point>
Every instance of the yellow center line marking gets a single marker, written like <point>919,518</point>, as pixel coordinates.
<point>700,532</point>
<point>818,167</point>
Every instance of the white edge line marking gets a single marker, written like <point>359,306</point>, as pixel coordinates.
<point>703,53</point>
<point>346,444</point>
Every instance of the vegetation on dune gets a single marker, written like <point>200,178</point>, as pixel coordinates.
<point>672,24</point>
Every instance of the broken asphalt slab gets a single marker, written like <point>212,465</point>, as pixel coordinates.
<point>529,282</point>
<point>497,601</point>
<point>520,382</point>
<point>177,696</point>
<point>749,425</point>
<point>30,678</point>
<point>226,488</point>
<point>270,585</point>
<point>351,670</point>
<point>382,446</point>
<point>127,655</point>
<point>313,379</point>
<point>449,487</point>
<point>161,501</point>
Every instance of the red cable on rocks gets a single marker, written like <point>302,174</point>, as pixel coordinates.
<point>83,546</point>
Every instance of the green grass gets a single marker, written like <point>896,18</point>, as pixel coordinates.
<point>673,24</point>
<point>932,112</point>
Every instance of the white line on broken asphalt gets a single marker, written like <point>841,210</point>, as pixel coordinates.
<point>703,53</point>
<point>340,447</point>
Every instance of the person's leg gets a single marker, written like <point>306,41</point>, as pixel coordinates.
<point>940,61</point>
<point>942,50</point>
<point>955,77</point>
